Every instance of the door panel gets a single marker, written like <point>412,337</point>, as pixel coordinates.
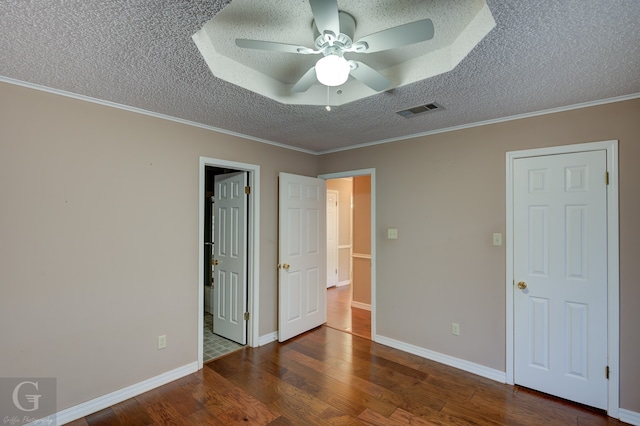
<point>230,247</point>
<point>560,318</point>
<point>302,255</point>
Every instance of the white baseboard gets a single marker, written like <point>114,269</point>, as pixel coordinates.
<point>629,416</point>
<point>343,283</point>
<point>359,305</point>
<point>102,402</point>
<point>268,338</point>
<point>468,366</point>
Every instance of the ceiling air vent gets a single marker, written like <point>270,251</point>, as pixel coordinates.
<point>412,112</point>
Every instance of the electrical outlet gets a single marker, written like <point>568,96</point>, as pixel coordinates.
<point>455,329</point>
<point>162,341</point>
<point>392,233</point>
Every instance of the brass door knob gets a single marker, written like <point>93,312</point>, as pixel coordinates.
<point>214,262</point>
<point>286,266</point>
<point>522,285</point>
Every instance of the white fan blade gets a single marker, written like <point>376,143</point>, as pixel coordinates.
<point>306,81</point>
<point>273,46</point>
<point>369,76</point>
<point>325,13</point>
<point>402,35</point>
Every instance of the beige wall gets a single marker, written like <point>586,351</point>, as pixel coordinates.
<point>446,195</point>
<point>99,239</point>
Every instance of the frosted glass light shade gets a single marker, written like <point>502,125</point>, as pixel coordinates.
<point>332,70</point>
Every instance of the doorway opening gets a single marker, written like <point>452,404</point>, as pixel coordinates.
<point>216,340</point>
<point>351,244</point>
<point>227,285</point>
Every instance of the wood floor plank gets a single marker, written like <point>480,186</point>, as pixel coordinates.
<point>246,408</point>
<point>103,417</point>
<point>163,413</point>
<point>336,418</point>
<point>182,400</point>
<point>522,405</point>
<point>301,358</point>
<point>376,391</point>
<point>299,407</point>
<point>258,383</point>
<point>404,358</point>
<point>211,393</point>
<point>344,397</point>
<point>205,417</point>
<point>374,418</point>
<point>405,418</point>
<point>78,422</point>
<point>130,412</point>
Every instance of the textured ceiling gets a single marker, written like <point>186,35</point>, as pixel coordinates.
<point>542,54</point>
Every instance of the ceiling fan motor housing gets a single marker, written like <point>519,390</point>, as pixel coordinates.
<point>344,40</point>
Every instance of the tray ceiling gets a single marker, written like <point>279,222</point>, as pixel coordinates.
<point>459,26</point>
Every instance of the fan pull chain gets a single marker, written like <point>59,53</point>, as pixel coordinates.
<point>328,107</point>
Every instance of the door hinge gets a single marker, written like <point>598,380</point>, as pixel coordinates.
<point>247,190</point>
<point>246,316</point>
<point>606,371</point>
<point>606,178</point>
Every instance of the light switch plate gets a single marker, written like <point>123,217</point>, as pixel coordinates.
<point>497,239</point>
<point>455,329</point>
<point>392,234</point>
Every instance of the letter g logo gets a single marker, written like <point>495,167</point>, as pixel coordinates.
<point>34,399</point>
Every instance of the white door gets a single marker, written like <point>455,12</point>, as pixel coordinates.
<point>230,257</point>
<point>332,238</point>
<point>302,255</point>
<point>560,275</point>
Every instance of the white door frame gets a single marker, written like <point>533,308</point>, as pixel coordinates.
<point>253,249</point>
<point>613,267</point>
<point>372,173</point>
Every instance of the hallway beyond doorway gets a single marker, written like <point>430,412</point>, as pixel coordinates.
<point>343,317</point>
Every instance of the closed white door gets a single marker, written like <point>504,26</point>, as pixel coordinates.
<point>332,238</point>
<point>302,255</point>
<point>560,275</point>
<point>230,257</point>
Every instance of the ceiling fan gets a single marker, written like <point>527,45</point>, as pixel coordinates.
<point>333,33</point>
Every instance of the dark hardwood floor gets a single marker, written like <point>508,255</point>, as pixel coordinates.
<point>341,316</point>
<point>328,377</point>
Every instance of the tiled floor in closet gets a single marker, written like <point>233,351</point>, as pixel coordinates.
<point>215,346</point>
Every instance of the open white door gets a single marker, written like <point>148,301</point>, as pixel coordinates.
<point>230,257</point>
<point>560,275</point>
<point>302,298</point>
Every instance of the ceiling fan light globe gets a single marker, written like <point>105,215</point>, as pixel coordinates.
<point>332,70</point>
